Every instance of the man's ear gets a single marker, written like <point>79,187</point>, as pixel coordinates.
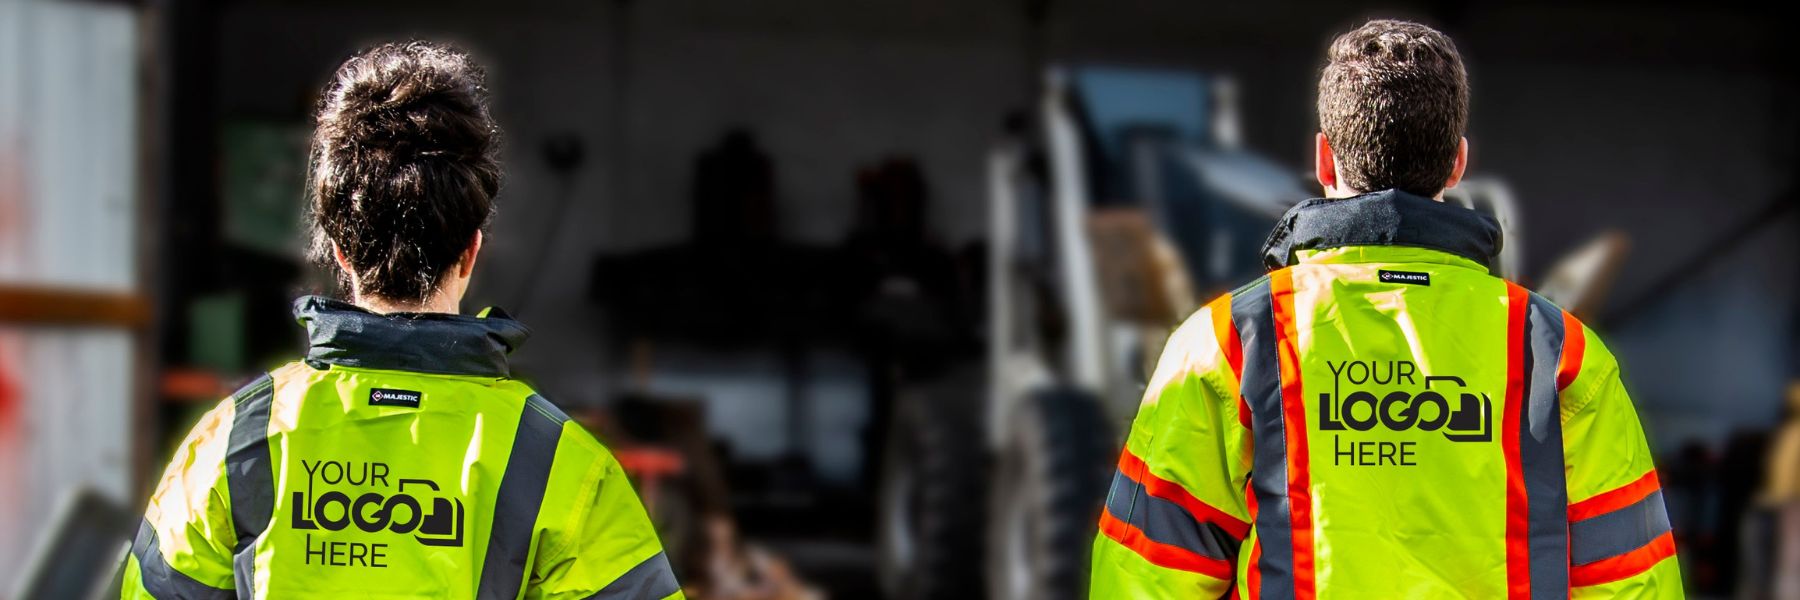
<point>1462,164</point>
<point>1324,164</point>
<point>337,254</point>
<point>466,266</point>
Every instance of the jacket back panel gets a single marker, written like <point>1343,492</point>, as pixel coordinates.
<point>384,481</point>
<point>1403,379</point>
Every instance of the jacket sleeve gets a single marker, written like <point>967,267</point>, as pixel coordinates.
<point>1620,544</point>
<point>1176,513</point>
<point>599,542</point>
<point>183,546</point>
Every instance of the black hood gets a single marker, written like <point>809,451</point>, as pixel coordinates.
<point>339,333</point>
<point>1387,218</point>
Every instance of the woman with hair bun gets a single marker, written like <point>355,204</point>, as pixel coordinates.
<point>399,458</point>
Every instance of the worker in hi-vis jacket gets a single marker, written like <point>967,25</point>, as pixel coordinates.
<point>399,458</point>
<point>1381,416</point>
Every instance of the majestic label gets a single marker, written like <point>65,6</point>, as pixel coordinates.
<point>406,398</point>
<point>358,510</point>
<point>1409,277</point>
<point>1393,396</point>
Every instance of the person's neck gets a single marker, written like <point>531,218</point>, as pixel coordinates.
<point>1339,193</point>
<point>437,303</point>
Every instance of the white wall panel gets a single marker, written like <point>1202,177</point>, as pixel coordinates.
<point>68,182</point>
<point>68,131</point>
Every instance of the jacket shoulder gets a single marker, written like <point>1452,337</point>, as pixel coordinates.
<point>259,388</point>
<point>573,438</point>
<point>1584,368</point>
<point>1203,346</point>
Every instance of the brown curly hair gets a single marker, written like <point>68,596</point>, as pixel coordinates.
<point>404,167</point>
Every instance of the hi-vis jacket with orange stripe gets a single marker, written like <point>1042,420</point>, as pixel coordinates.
<point>1380,417</point>
<point>399,460</point>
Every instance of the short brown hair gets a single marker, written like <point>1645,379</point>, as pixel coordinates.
<point>405,166</point>
<point>1393,103</point>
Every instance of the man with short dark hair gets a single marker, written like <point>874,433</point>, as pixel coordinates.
<point>1381,416</point>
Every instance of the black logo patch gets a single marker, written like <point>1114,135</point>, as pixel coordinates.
<point>1407,277</point>
<point>406,398</point>
<point>363,508</point>
<point>1397,397</point>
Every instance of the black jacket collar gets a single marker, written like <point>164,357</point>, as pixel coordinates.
<point>339,333</point>
<point>1387,218</point>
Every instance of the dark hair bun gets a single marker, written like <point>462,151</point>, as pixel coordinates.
<point>405,166</point>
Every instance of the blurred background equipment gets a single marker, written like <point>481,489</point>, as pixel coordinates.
<point>1105,218</point>
<point>860,295</point>
<point>1770,566</point>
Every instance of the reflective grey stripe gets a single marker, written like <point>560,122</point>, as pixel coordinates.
<point>243,572</point>
<point>649,580</point>
<point>1167,522</point>
<point>1254,317</point>
<point>1541,452</point>
<point>521,493</point>
<point>249,476</point>
<point>164,582</point>
<point>1620,531</point>
<point>1121,495</point>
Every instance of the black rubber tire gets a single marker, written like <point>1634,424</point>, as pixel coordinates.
<point>1049,483</point>
<point>931,496</point>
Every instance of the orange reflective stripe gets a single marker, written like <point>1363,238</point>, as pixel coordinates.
<point>1253,570</point>
<point>1244,414</point>
<point>1135,469</point>
<point>1518,543</point>
<point>1281,291</point>
<point>1159,554</point>
<point>1226,335</point>
<point>1616,498</point>
<point>1225,332</point>
<point>1624,565</point>
<point>1574,344</point>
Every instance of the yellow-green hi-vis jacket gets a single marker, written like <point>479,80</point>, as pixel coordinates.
<point>398,460</point>
<point>1380,417</point>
